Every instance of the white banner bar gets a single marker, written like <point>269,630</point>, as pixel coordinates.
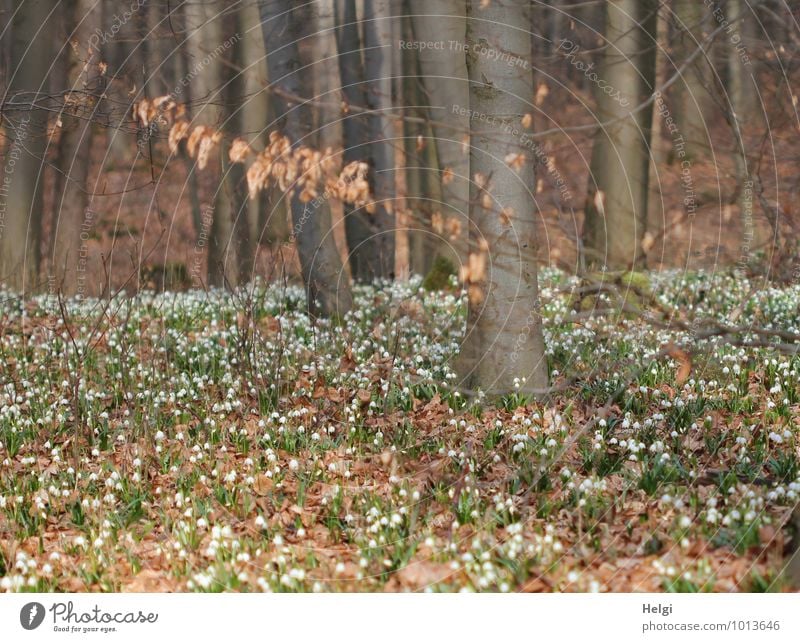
<point>334,617</point>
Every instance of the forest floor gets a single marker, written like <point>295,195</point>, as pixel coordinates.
<point>210,441</point>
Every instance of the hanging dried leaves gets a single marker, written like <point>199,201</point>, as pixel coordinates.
<point>179,131</point>
<point>299,169</point>
<point>527,121</point>
<point>239,151</point>
<point>473,275</point>
<point>515,161</point>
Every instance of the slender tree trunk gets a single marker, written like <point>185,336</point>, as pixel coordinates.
<point>378,75</point>
<point>156,66</point>
<point>236,122</point>
<point>21,185</point>
<point>444,75</point>
<point>659,147</point>
<point>182,64</point>
<point>695,106</point>
<point>616,206</point>
<point>72,217</point>
<point>268,210</point>
<point>418,172</point>
<point>503,351</point>
<point>205,35</point>
<point>327,286</point>
<point>362,240</point>
<point>741,90</point>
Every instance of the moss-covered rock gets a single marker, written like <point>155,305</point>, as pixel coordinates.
<point>438,277</point>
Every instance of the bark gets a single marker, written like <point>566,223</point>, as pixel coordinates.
<point>695,105</point>
<point>378,76</point>
<point>236,123</point>
<point>504,333</point>
<point>182,63</point>
<point>267,224</point>
<point>444,76</point>
<point>741,90</point>
<point>26,143</point>
<point>205,36</point>
<point>327,286</point>
<point>362,242</point>
<point>616,205</point>
<point>152,50</point>
<point>659,144</point>
<point>73,218</point>
<point>419,172</point>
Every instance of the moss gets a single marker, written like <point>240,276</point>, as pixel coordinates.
<point>438,277</point>
<point>636,280</point>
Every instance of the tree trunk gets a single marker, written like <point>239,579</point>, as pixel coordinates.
<point>616,206</point>
<point>327,286</point>
<point>362,241</point>
<point>235,190</point>
<point>416,195</point>
<point>503,351</point>
<point>742,88</point>
<point>379,47</point>
<point>205,34</point>
<point>695,105</point>
<point>72,217</point>
<point>444,75</point>
<point>659,147</point>
<point>21,185</point>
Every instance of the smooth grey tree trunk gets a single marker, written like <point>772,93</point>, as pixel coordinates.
<point>503,351</point>
<point>446,83</point>
<point>73,219</point>
<point>742,114</point>
<point>659,145</point>
<point>327,284</point>
<point>378,53</point>
<point>232,199</point>
<point>21,185</point>
<point>616,205</point>
<point>266,226</point>
<point>205,34</point>
<point>362,241</point>
<point>695,105</point>
<point>423,178</point>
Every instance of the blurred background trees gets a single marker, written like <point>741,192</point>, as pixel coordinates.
<point>593,136</point>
